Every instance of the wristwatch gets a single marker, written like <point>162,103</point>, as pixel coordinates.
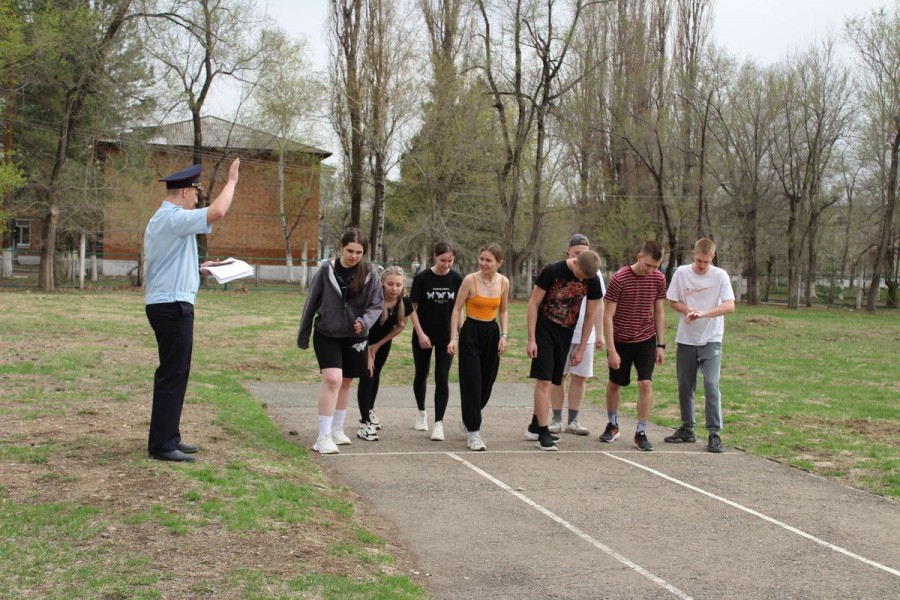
<point>663,346</point>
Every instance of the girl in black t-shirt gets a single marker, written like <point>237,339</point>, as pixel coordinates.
<point>392,321</point>
<point>433,296</point>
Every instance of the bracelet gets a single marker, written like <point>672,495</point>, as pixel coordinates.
<point>663,346</point>
<point>504,335</point>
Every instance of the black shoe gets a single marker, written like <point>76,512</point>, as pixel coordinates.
<point>174,455</point>
<point>545,442</point>
<point>611,433</point>
<point>681,436</point>
<point>187,448</point>
<point>533,433</point>
<point>715,444</point>
<point>641,441</point>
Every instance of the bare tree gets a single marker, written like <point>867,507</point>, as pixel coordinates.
<point>346,43</point>
<point>812,117</point>
<point>287,98</point>
<point>390,69</point>
<point>876,41</point>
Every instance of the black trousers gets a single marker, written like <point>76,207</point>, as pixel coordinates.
<point>367,388</point>
<point>478,365</point>
<point>442,362</point>
<point>173,324</point>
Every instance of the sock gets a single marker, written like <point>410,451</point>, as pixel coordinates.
<point>573,414</point>
<point>338,423</point>
<point>642,426</point>
<point>557,414</point>
<point>545,430</point>
<point>534,423</point>
<point>613,417</point>
<point>325,425</point>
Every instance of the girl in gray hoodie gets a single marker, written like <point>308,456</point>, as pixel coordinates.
<point>345,300</point>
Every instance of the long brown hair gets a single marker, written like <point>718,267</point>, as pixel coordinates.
<point>358,282</point>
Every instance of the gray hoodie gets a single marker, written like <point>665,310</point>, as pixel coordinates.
<point>334,317</point>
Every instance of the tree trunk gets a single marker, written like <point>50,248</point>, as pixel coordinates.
<point>285,232</point>
<point>887,222</point>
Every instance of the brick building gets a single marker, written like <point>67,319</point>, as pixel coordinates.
<point>252,230</point>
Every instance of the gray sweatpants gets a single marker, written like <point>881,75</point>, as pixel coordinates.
<point>689,360</point>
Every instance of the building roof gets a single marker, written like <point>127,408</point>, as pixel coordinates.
<point>219,133</point>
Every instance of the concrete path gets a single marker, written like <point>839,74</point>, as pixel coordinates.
<point>601,520</point>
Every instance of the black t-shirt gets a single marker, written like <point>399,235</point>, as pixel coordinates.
<point>344,276</point>
<point>379,329</point>
<point>564,293</point>
<point>435,296</point>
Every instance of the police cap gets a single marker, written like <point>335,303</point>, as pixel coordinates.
<point>189,177</point>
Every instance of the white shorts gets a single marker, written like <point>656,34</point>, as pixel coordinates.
<point>586,367</point>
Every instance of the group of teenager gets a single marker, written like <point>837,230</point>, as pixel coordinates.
<point>352,315</point>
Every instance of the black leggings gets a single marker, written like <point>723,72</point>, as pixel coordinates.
<point>478,365</point>
<point>442,362</point>
<point>367,388</point>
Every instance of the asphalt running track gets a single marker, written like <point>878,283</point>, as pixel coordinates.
<point>599,520</point>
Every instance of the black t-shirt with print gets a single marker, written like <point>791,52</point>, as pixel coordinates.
<point>435,296</point>
<point>562,301</point>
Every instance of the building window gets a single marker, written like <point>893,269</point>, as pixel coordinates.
<point>23,233</point>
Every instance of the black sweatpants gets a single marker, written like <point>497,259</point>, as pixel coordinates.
<point>367,389</point>
<point>478,365</point>
<point>173,324</point>
<point>442,362</point>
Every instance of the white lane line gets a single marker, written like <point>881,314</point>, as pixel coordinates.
<point>609,551</point>
<point>699,455</point>
<point>771,520</point>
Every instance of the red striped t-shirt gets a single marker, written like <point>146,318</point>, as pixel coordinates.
<point>634,298</point>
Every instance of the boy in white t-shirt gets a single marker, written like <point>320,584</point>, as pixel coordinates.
<point>702,294</point>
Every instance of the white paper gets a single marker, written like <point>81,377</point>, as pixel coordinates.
<point>230,270</point>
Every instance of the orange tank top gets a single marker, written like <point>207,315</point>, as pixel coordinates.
<point>480,307</point>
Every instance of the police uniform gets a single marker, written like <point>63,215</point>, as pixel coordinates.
<point>172,277</point>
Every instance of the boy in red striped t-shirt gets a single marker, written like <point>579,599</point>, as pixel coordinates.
<point>634,325</point>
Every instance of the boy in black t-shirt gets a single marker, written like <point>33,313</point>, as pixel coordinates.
<point>552,316</point>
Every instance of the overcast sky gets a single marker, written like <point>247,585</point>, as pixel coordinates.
<point>764,30</point>
<point>761,29</point>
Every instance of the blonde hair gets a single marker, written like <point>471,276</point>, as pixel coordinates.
<point>401,311</point>
<point>705,246</point>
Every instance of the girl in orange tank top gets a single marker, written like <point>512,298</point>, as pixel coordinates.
<point>479,341</point>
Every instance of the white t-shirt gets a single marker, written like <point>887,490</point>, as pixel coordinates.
<point>701,292</point>
<point>576,335</point>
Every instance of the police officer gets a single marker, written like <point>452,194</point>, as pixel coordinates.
<point>172,279</point>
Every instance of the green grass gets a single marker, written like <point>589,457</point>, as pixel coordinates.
<point>814,388</point>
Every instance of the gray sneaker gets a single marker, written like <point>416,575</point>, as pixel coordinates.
<point>576,428</point>
<point>555,426</point>
<point>682,436</point>
<point>715,444</point>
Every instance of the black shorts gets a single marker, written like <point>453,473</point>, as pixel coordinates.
<point>640,354</point>
<point>351,355</point>
<point>553,344</point>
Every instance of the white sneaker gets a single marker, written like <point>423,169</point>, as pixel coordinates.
<point>437,433</point>
<point>576,428</point>
<point>367,432</point>
<point>421,421</point>
<point>555,426</point>
<point>475,442</point>
<point>325,445</point>
<point>373,420</point>
<point>340,438</point>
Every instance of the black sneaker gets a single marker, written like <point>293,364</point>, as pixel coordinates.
<point>545,442</point>
<point>611,434</point>
<point>682,436</point>
<point>715,444</point>
<point>533,433</point>
<point>641,441</point>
